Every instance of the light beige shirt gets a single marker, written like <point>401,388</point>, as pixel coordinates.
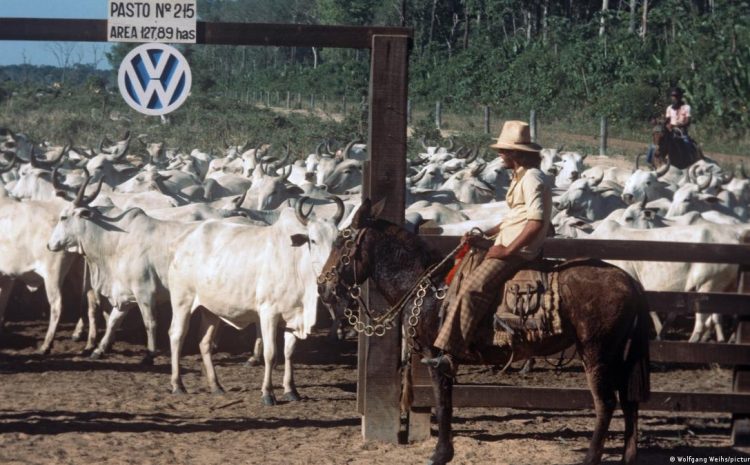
<point>529,198</point>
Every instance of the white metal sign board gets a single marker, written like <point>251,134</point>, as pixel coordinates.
<point>172,21</point>
<point>154,79</point>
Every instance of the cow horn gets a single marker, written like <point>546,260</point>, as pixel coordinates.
<point>742,169</point>
<point>424,145</point>
<point>663,169</point>
<point>452,142</point>
<point>55,182</point>
<point>345,153</point>
<point>596,181</point>
<point>418,176</point>
<point>101,145</point>
<point>472,155</point>
<point>245,147</point>
<point>691,173</point>
<point>703,186</point>
<point>644,201</point>
<point>298,210</point>
<point>319,149</point>
<point>339,209</point>
<point>240,200</point>
<point>328,148</point>
<point>284,160</point>
<point>285,173</point>
<point>78,201</point>
<point>119,154</point>
<point>637,161</point>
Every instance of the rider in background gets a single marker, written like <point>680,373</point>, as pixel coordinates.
<point>678,114</point>
<point>678,119</point>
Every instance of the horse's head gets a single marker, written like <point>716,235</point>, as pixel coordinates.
<point>349,264</point>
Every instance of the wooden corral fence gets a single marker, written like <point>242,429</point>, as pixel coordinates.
<point>384,176</point>
<point>738,354</point>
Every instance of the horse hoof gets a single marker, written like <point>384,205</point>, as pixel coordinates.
<point>252,362</point>
<point>96,355</point>
<point>77,337</point>
<point>292,396</point>
<point>179,391</point>
<point>269,400</point>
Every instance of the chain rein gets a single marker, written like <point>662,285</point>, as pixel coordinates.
<point>380,324</point>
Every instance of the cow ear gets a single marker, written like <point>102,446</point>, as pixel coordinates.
<point>650,214</point>
<point>378,208</point>
<point>711,199</point>
<point>86,213</point>
<point>299,239</point>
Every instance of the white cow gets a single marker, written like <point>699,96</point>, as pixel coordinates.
<point>240,273</point>
<point>679,276</point>
<point>584,200</point>
<point>25,227</point>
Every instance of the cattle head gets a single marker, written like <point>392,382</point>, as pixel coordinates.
<point>71,225</point>
<point>690,197</point>
<point>319,234</point>
<point>644,184</point>
<point>569,168</point>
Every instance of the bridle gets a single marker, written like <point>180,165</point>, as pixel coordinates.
<point>356,306</point>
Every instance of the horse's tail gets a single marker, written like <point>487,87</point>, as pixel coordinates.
<point>637,360</point>
<point>407,392</point>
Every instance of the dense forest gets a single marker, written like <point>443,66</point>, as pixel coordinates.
<point>564,58</point>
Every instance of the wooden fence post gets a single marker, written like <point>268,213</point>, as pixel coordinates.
<point>299,100</point>
<point>532,126</point>
<point>438,116</point>
<point>288,100</point>
<point>278,98</point>
<point>343,105</point>
<point>268,98</point>
<point>384,178</point>
<point>741,378</point>
<point>603,137</point>
<point>486,119</point>
<point>312,101</point>
<point>408,111</point>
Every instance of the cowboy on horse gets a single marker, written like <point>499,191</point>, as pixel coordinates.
<point>517,241</point>
<point>671,139</point>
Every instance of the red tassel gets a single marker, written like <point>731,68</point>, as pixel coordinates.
<point>457,262</point>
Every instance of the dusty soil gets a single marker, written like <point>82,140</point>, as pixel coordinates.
<point>67,409</point>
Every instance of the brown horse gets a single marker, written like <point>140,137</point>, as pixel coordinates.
<point>604,313</point>
<point>680,154</point>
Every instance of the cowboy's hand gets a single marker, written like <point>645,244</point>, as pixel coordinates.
<point>497,252</point>
<point>471,239</point>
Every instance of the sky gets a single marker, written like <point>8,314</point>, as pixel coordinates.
<point>42,53</point>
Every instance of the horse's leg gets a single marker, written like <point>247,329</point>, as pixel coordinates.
<point>443,390</point>
<point>600,383</point>
<point>657,324</point>
<point>630,416</point>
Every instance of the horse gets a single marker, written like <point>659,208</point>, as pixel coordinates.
<point>603,311</point>
<point>669,145</point>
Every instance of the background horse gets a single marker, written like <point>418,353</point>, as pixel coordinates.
<point>603,310</point>
<point>681,154</point>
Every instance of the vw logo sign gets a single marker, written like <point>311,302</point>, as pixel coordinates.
<point>154,79</point>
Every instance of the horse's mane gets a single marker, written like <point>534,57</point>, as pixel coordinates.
<point>407,245</point>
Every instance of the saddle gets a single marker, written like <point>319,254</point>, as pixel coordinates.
<point>529,311</point>
<point>529,303</point>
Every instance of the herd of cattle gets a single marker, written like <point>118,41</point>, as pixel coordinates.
<point>244,235</point>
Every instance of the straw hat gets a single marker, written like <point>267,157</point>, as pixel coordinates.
<point>516,136</point>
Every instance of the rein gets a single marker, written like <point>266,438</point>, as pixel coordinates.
<point>380,324</point>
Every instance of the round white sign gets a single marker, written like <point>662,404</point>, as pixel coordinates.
<point>154,79</point>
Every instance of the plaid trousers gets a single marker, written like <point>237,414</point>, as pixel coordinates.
<point>476,294</point>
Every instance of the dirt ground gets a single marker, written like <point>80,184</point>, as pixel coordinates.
<point>67,409</point>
